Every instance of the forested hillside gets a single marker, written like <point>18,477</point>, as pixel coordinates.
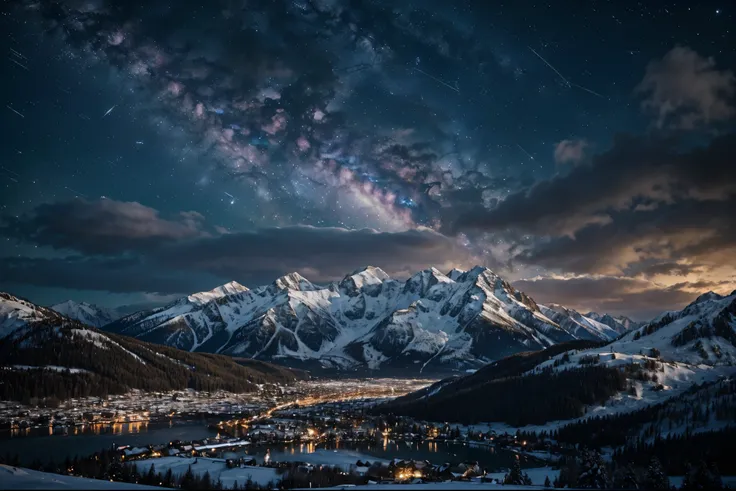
<point>501,392</point>
<point>63,358</point>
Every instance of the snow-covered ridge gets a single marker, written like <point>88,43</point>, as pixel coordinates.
<point>86,313</point>
<point>668,357</point>
<point>368,319</point>
<point>16,313</point>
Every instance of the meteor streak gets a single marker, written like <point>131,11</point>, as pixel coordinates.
<point>16,112</point>
<point>567,82</point>
<point>438,80</point>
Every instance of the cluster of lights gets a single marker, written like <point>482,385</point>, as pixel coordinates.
<point>408,474</point>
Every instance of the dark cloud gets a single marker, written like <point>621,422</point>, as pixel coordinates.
<point>114,275</point>
<point>159,252</point>
<point>685,90</point>
<point>101,227</point>
<point>636,171</point>
<point>320,254</point>
<point>698,231</point>
<point>634,297</point>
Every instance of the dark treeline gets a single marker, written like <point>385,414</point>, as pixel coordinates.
<point>586,469</point>
<point>117,363</point>
<point>517,400</point>
<point>696,408</point>
<point>510,366</point>
<point>677,452</point>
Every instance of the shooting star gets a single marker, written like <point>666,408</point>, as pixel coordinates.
<point>437,80</point>
<point>232,198</point>
<point>18,54</point>
<point>139,142</point>
<point>588,90</point>
<point>109,110</point>
<point>9,171</point>
<point>16,112</point>
<point>523,150</point>
<point>19,64</point>
<point>77,193</point>
<point>567,82</point>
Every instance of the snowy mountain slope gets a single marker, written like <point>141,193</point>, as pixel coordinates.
<point>16,313</point>
<point>21,478</point>
<point>579,325</point>
<point>432,320</point>
<point>40,344</point>
<point>85,313</point>
<point>665,358</point>
<point>620,324</point>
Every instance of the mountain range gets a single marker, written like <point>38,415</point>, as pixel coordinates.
<point>672,355</point>
<point>368,320</point>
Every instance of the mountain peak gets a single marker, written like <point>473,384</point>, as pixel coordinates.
<point>455,273</point>
<point>424,280</point>
<point>711,295</point>
<point>230,288</point>
<point>86,313</point>
<point>292,281</point>
<point>372,270</point>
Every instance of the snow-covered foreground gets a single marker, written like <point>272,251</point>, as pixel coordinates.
<point>537,475</point>
<point>20,478</point>
<point>216,468</point>
<point>434,486</point>
<point>728,481</point>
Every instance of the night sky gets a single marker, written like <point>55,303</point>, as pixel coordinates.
<point>583,150</point>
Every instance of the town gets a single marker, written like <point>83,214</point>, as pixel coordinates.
<point>138,407</point>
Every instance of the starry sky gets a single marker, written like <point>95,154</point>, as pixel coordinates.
<point>582,149</point>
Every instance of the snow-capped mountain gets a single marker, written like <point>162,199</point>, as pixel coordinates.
<point>620,324</point>
<point>460,320</point>
<point>667,357</point>
<point>85,313</point>
<point>16,313</point>
<point>581,326</point>
<point>702,332</point>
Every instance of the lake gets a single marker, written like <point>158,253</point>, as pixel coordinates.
<point>53,444</point>
<point>45,444</point>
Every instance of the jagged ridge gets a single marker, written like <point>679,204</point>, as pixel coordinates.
<point>368,319</point>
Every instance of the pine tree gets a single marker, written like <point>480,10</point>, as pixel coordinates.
<point>515,476</point>
<point>206,482</point>
<point>168,479</point>
<point>625,478</point>
<point>151,476</point>
<point>702,477</point>
<point>547,484</point>
<point>593,474</point>
<point>656,478</point>
<point>188,481</point>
